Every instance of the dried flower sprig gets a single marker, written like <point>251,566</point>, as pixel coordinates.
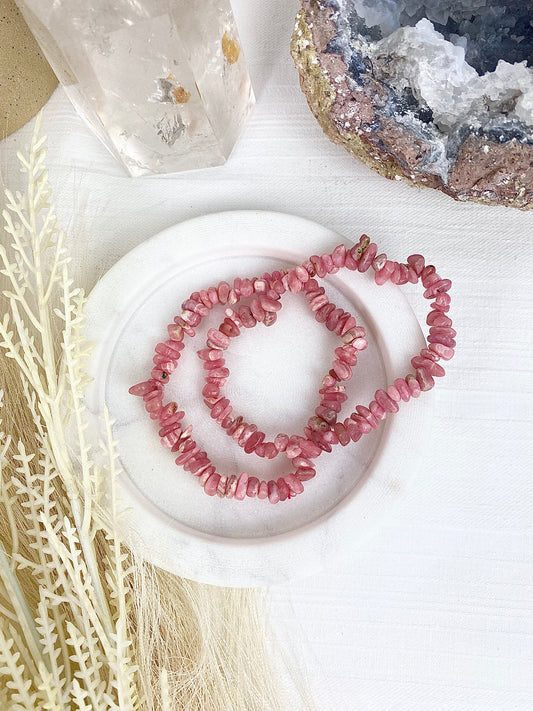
<point>84,624</point>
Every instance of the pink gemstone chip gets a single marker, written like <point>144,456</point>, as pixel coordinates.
<point>231,487</point>
<point>273,492</point>
<point>263,490</point>
<point>143,388</point>
<point>368,257</point>
<point>211,485</point>
<point>242,486</point>
<point>253,487</point>
<point>283,489</point>
<point>295,484</point>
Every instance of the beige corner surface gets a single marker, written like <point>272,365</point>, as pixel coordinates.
<point>26,79</point>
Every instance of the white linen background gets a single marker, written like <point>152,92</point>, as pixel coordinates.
<point>437,612</point>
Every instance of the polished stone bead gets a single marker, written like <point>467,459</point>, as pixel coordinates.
<point>253,487</point>
<point>252,441</point>
<point>377,410</point>
<point>262,492</point>
<point>333,319</point>
<point>385,401</point>
<point>353,429</point>
<point>231,487</point>
<point>413,384</point>
<point>211,485</point>
<point>369,417</point>
<point>223,291</point>
<point>273,492</point>
<point>216,339</point>
<point>368,257</point>
<point>294,483</point>
<point>342,434</point>
<point>361,422</point>
<point>437,318</point>
<point>294,283</point>
<point>143,388</point>
<point>384,273</point>
<point>257,310</point>
<point>283,489</point>
<point>222,484</point>
<point>342,370</point>
<point>379,262</point>
<point>440,338</point>
<point>309,449</point>
<point>327,261</point>
<point>347,354</point>
<point>444,352</point>
<point>281,441</point>
<point>428,365</point>
<point>417,262</point>
<point>270,450</point>
<point>246,316</point>
<point>246,434</point>
<point>242,486</point>
<point>210,354</point>
<point>393,393</point>
<point>425,380</point>
<point>269,304</point>
<point>211,365</point>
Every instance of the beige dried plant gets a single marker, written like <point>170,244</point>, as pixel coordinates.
<point>84,625</point>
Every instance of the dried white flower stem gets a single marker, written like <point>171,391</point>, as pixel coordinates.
<point>84,624</point>
<point>40,238</point>
<point>20,607</point>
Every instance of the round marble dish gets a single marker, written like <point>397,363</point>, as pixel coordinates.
<point>274,382</point>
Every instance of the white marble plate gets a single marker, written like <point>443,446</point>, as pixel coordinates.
<point>274,381</point>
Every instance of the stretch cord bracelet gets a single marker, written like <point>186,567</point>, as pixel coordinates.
<point>319,434</point>
<point>265,304</point>
<point>265,293</point>
<point>248,436</point>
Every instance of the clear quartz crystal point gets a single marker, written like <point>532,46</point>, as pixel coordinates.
<point>163,83</point>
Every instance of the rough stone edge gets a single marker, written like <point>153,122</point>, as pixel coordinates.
<point>320,95</point>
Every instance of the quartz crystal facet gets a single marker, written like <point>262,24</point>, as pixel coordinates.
<point>433,92</point>
<point>163,84</point>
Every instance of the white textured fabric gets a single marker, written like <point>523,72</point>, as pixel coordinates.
<point>437,613</point>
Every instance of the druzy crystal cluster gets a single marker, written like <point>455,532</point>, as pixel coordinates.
<point>163,84</point>
<point>437,93</point>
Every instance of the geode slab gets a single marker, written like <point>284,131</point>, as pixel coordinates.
<point>437,94</point>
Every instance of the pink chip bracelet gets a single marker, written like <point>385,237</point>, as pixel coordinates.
<point>323,431</point>
<point>248,436</point>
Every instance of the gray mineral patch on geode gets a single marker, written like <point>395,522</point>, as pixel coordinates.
<point>437,93</point>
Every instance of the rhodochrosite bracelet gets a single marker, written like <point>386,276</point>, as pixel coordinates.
<point>337,320</point>
<point>261,299</point>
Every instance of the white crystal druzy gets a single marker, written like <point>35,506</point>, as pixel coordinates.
<point>440,77</point>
